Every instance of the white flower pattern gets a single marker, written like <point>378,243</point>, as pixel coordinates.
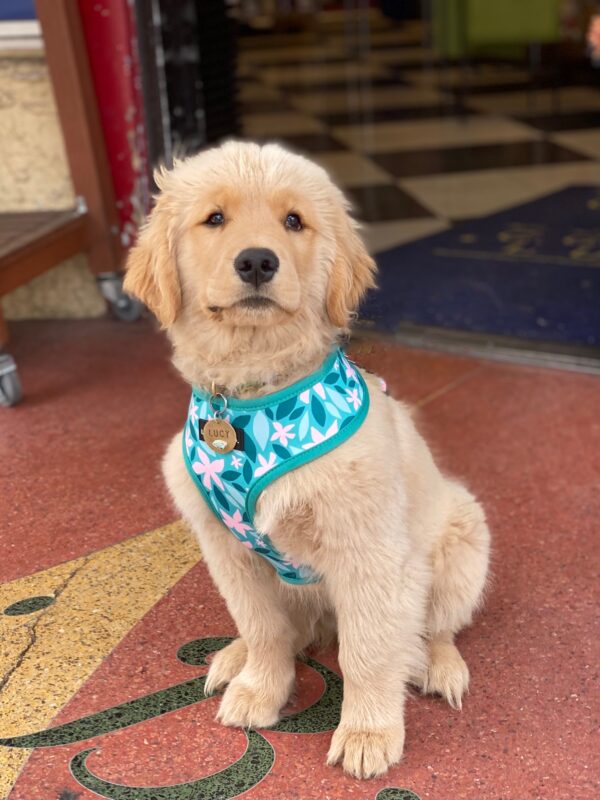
<point>354,399</point>
<point>265,465</point>
<point>317,437</point>
<point>283,433</point>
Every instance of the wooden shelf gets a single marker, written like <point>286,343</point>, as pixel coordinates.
<point>32,242</point>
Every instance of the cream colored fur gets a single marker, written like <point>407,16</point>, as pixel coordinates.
<point>403,550</point>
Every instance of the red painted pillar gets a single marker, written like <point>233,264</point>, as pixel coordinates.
<point>110,33</point>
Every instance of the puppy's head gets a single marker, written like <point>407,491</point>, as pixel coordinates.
<point>249,236</point>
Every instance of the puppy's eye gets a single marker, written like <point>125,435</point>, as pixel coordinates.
<point>215,220</point>
<point>293,222</point>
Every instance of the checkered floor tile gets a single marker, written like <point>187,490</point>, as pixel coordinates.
<point>411,139</point>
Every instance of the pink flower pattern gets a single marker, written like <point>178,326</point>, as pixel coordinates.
<point>235,522</point>
<point>208,469</point>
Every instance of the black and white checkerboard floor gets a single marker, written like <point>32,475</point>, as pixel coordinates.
<point>416,145</point>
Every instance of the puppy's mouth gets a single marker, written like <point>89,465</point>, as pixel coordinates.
<point>254,302</point>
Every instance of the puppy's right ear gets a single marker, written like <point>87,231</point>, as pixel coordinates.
<point>151,270</point>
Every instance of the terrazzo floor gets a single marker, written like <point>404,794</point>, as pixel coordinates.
<point>128,611</point>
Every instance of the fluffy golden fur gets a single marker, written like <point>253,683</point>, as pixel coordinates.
<point>402,548</point>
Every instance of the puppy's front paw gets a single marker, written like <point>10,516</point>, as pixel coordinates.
<point>366,754</point>
<point>225,665</point>
<point>245,707</point>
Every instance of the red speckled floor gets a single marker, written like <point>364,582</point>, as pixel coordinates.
<point>79,463</point>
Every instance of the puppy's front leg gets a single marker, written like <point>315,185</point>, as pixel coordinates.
<point>255,696</point>
<point>259,667</point>
<point>378,629</point>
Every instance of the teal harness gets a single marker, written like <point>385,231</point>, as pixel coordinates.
<point>275,434</point>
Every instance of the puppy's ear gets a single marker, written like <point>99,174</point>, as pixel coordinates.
<point>151,270</point>
<point>352,273</point>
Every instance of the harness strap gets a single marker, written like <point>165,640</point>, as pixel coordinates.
<point>275,435</point>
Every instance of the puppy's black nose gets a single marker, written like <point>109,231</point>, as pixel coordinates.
<point>256,265</point>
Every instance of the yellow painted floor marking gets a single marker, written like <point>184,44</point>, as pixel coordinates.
<point>46,656</point>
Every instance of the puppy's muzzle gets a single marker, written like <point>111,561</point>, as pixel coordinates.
<point>256,265</point>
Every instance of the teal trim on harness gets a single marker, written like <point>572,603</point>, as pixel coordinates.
<point>281,432</point>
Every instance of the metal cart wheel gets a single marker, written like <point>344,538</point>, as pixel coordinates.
<point>127,309</point>
<point>124,307</point>
<point>11,392</point>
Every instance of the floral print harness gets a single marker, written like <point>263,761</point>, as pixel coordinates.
<point>280,432</point>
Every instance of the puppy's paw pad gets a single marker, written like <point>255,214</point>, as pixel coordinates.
<point>225,666</point>
<point>447,675</point>
<point>365,754</point>
<point>243,707</point>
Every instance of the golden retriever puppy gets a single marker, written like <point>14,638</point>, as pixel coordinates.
<point>252,264</point>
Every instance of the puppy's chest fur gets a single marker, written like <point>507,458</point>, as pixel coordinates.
<point>335,502</point>
<point>294,528</point>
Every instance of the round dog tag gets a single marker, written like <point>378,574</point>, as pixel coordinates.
<point>219,435</point>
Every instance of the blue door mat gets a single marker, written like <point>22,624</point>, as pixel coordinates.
<point>532,273</point>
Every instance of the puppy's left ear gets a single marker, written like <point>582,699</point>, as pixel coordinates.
<point>352,273</point>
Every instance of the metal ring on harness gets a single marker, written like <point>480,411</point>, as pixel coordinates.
<point>218,412</point>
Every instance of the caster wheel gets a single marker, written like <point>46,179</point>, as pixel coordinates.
<point>127,309</point>
<point>124,307</point>
<point>10,384</point>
